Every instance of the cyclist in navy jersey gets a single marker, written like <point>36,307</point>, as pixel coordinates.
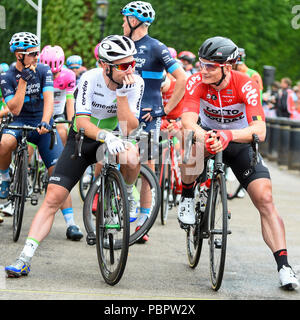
<point>28,92</point>
<point>152,58</point>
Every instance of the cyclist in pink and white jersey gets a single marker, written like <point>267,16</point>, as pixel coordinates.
<point>64,81</point>
<point>64,85</point>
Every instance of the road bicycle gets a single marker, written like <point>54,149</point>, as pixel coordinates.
<point>169,177</point>
<point>112,217</point>
<point>146,177</point>
<point>18,190</point>
<point>212,222</point>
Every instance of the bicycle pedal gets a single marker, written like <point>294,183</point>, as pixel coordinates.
<point>183,225</point>
<point>34,201</point>
<point>229,214</point>
<point>91,239</point>
<point>218,243</point>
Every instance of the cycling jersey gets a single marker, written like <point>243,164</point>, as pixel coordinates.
<point>152,58</point>
<point>64,86</point>
<point>98,102</point>
<point>33,102</point>
<point>233,107</point>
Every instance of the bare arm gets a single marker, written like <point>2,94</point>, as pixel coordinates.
<point>16,103</point>
<point>245,135</point>
<point>179,89</point>
<point>70,108</point>
<point>127,120</point>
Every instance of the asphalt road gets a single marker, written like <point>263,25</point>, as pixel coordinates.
<point>66,270</point>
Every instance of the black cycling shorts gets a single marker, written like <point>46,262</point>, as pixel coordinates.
<point>238,157</point>
<point>68,171</point>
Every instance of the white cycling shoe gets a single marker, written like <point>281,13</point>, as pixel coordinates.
<point>186,213</point>
<point>288,279</point>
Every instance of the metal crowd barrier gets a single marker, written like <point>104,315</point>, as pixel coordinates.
<point>282,142</point>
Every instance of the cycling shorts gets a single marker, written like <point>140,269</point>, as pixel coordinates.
<point>68,171</point>
<point>238,157</point>
<point>43,141</point>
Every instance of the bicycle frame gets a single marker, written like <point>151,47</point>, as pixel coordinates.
<point>217,169</point>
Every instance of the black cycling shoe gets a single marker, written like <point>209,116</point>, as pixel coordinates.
<point>73,233</point>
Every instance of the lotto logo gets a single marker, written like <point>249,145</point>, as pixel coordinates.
<point>191,83</point>
<point>251,94</point>
<point>2,18</point>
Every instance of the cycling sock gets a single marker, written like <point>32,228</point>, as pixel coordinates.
<point>187,190</point>
<point>144,214</point>
<point>281,258</point>
<point>68,216</point>
<point>29,249</point>
<point>5,175</point>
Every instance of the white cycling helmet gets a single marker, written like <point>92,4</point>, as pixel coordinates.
<point>115,47</point>
<point>23,41</point>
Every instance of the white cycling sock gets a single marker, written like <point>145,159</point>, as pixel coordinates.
<point>29,249</point>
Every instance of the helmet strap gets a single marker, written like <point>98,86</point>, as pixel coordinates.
<point>131,27</point>
<point>222,78</point>
<point>22,60</point>
<point>109,74</point>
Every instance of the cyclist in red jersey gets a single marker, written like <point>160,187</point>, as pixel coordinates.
<point>228,102</point>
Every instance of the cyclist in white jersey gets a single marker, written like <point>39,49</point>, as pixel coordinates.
<point>107,97</point>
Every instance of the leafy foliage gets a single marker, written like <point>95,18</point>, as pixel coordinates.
<point>262,27</point>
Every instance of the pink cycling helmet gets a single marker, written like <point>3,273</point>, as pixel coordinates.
<point>96,51</point>
<point>54,57</point>
<point>173,52</point>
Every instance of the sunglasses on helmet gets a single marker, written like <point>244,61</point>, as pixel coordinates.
<point>124,66</point>
<point>31,53</point>
<point>209,66</point>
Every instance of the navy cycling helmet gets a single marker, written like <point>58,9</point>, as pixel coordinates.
<point>141,10</point>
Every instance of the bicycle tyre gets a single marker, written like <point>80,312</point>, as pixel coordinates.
<point>114,205</point>
<point>233,186</point>
<point>83,187</point>
<point>194,240</point>
<point>88,217</point>
<point>165,192</point>
<point>19,190</point>
<point>218,225</point>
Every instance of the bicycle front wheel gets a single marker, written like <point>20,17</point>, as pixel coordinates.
<point>112,225</point>
<point>165,186</point>
<point>218,215</point>
<point>18,191</point>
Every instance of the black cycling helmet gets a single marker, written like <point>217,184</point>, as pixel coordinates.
<point>219,49</point>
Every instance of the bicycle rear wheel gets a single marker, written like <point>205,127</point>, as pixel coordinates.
<point>85,182</point>
<point>88,217</point>
<point>18,191</point>
<point>218,224</point>
<point>112,225</point>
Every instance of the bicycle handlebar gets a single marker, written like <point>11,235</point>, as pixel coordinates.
<point>5,125</point>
